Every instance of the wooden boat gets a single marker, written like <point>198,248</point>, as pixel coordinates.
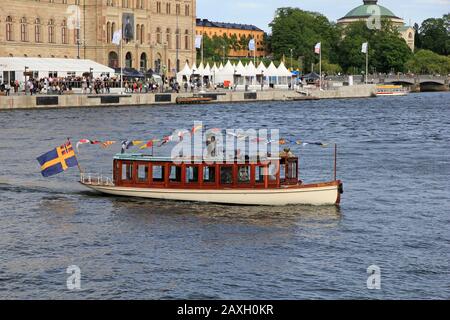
<point>270,181</point>
<point>193,100</point>
<point>391,90</point>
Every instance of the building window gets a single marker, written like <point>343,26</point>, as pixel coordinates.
<point>128,60</point>
<point>177,9</point>
<point>158,7</point>
<point>23,29</point>
<point>51,31</point>
<point>186,10</point>
<point>178,39</point>
<point>9,29</point>
<point>168,8</point>
<point>142,31</point>
<point>37,30</point>
<point>186,40</point>
<point>64,32</point>
<point>158,35</point>
<point>138,27</point>
<point>169,39</point>
<point>108,33</point>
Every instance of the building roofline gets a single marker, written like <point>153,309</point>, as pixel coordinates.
<point>226,25</point>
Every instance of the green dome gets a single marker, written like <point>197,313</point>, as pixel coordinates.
<point>366,10</point>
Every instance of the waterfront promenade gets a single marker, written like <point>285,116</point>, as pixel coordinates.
<point>148,99</point>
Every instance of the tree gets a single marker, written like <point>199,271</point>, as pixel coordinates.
<point>387,50</point>
<point>435,35</point>
<point>428,62</point>
<point>293,28</point>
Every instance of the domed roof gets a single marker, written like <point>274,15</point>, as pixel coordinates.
<point>366,10</point>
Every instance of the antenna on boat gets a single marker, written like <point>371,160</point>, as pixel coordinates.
<point>335,161</point>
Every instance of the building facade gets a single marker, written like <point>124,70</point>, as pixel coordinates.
<point>158,33</point>
<point>243,33</point>
<point>369,9</point>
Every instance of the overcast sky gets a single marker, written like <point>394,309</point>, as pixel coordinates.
<point>260,12</point>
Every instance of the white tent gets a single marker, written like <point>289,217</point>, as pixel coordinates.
<point>261,69</point>
<point>240,73</point>
<point>251,74</point>
<point>284,75</point>
<point>184,74</point>
<point>221,66</point>
<point>226,74</point>
<point>44,67</point>
<point>207,71</point>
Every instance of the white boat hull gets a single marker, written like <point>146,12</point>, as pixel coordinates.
<point>314,195</point>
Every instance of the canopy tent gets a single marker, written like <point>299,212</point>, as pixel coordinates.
<point>44,67</point>
<point>129,73</point>
<point>261,70</point>
<point>184,74</point>
<point>311,77</point>
<point>207,71</point>
<point>226,74</point>
<point>284,75</point>
<point>251,73</point>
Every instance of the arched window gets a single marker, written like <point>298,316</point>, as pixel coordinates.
<point>143,62</point>
<point>158,35</point>
<point>108,32</point>
<point>64,32</point>
<point>410,35</point>
<point>186,39</point>
<point>138,34</point>
<point>168,38</point>
<point>142,31</point>
<point>23,29</point>
<point>113,60</point>
<point>128,60</point>
<point>37,30</point>
<point>113,29</point>
<point>9,29</point>
<point>51,31</point>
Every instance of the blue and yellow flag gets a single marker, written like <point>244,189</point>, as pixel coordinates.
<point>58,160</point>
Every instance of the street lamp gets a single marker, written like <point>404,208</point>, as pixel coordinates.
<point>291,68</point>
<point>25,74</point>
<point>91,72</point>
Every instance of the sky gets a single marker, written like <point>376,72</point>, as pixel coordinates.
<point>261,12</point>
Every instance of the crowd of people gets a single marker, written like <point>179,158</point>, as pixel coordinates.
<point>87,85</point>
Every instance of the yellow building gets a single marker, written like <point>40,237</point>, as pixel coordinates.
<point>158,32</point>
<point>370,10</point>
<point>241,31</point>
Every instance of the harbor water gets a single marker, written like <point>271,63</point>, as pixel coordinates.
<point>393,157</point>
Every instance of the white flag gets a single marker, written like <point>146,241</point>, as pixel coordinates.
<point>117,37</point>
<point>365,46</point>
<point>198,41</point>
<point>251,45</point>
<point>317,48</point>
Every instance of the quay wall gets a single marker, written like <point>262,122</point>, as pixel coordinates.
<point>78,100</point>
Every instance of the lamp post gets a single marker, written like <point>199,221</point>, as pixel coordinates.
<point>25,74</point>
<point>91,72</point>
<point>223,60</point>
<point>262,80</point>
<point>291,69</point>
<point>178,41</point>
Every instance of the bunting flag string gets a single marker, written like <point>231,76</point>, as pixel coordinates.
<point>178,135</point>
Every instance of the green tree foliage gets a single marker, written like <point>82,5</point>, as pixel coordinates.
<point>301,30</point>
<point>428,62</point>
<point>434,35</point>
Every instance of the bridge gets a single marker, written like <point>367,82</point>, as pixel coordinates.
<point>415,82</point>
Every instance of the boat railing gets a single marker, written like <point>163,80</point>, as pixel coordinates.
<point>96,179</point>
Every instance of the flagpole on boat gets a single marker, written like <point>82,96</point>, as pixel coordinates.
<point>335,161</point>
<point>75,155</point>
<point>320,66</point>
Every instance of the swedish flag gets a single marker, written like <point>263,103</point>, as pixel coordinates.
<point>58,160</point>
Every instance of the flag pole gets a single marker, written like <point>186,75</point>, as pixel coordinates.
<point>75,155</point>
<point>367,61</point>
<point>121,63</point>
<point>320,66</point>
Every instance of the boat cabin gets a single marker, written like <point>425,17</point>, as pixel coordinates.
<point>144,171</point>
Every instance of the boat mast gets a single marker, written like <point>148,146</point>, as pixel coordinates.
<point>335,161</point>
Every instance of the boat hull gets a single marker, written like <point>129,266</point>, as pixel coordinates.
<point>323,194</point>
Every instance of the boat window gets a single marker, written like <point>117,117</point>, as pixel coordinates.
<point>226,175</point>
<point>191,174</point>
<point>282,171</point>
<point>158,173</point>
<point>273,171</point>
<point>142,173</point>
<point>259,174</point>
<point>244,174</point>
<point>292,170</point>
<point>127,171</point>
<point>209,174</point>
<point>175,174</point>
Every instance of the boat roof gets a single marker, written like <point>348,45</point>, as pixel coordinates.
<point>151,158</point>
